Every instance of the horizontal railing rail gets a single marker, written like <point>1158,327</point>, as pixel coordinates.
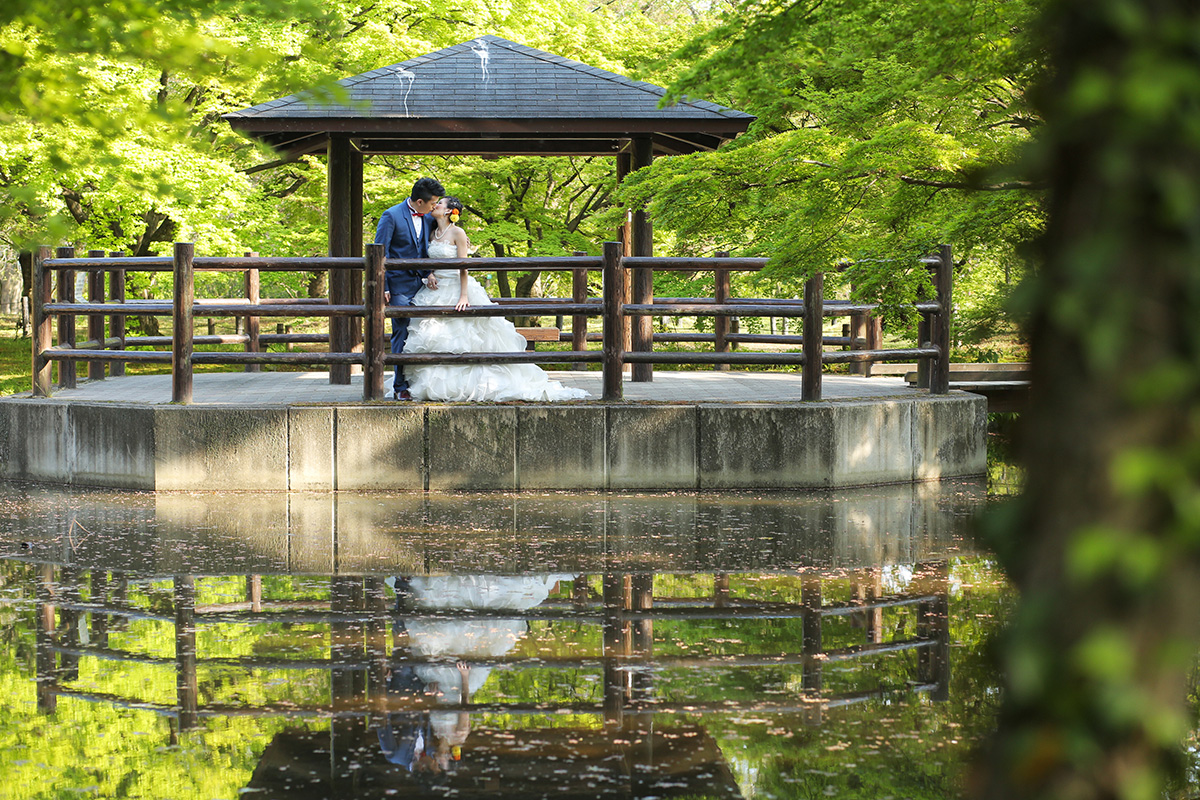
<point>357,336</point>
<point>357,615</point>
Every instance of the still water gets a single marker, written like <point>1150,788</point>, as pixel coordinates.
<point>558,645</point>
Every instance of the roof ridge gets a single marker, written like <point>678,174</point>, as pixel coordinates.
<point>579,66</point>
<point>371,86</point>
<point>599,72</point>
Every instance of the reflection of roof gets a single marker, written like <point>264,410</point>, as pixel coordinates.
<point>530,763</point>
<point>494,88</point>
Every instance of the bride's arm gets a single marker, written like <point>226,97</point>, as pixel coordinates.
<point>462,291</point>
<point>463,244</point>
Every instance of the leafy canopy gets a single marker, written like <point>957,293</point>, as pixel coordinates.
<point>884,128</point>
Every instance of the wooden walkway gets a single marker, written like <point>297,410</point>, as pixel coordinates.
<point>293,388</point>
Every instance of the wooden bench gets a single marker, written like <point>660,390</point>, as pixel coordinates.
<point>1006,386</point>
<point>535,335</point>
<point>982,373</point>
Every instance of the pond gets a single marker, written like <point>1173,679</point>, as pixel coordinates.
<point>556,645</point>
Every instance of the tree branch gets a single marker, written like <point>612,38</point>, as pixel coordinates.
<point>979,187</point>
<point>297,182</point>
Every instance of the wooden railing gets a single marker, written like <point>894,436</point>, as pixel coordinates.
<point>615,312</point>
<point>358,612</point>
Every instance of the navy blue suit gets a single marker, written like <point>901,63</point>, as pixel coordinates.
<point>397,234</point>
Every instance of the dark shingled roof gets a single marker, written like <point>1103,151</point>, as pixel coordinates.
<point>491,90</point>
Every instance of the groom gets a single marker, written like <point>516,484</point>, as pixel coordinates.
<point>404,230</point>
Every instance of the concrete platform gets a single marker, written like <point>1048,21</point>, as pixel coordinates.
<point>291,431</point>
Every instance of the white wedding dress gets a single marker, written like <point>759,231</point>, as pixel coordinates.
<point>469,639</point>
<point>473,382</point>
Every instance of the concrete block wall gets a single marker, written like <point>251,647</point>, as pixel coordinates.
<point>503,447</point>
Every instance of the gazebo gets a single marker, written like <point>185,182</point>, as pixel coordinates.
<point>488,96</point>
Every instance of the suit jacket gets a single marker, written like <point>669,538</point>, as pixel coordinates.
<point>395,232</point>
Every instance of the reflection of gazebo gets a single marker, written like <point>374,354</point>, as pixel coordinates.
<point>489,96</point>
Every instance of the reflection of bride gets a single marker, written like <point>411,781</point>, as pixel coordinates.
<point>459,641</point>
<point>477,382</point>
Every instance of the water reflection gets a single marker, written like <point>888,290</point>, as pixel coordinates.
<point>556,646</point>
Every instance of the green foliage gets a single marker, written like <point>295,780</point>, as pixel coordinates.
<point>113,136</point>
<point>1105,545</point>
<point>883,129</point>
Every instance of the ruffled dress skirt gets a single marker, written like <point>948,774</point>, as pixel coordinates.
<point>472,382</point>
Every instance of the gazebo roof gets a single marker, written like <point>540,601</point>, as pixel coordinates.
<point>494,97</point>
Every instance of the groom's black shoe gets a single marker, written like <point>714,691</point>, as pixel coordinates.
<point>402,395</point>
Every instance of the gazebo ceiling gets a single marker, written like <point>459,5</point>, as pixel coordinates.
<point>491,96</point>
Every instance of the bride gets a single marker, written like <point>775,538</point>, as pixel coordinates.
<point>453,287</point>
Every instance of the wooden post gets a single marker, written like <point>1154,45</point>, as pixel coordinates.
<point>811,678</point>
<point>579,294</point>
<point>373,324</point>
<point>874,333</point>
<point>116,323</point>
<point>66,322</point>
<point>614,320</point>
<point>95,285</point>
<point>339,177</point>
<point>70,579</point>
<point>47,624</point>
<point>923,340</point>
<point>721,322</point>
<point>612,638</point>
<point>939,379</point>
<point>253,295</point>
<point>814,318</point>
<point>186,684</point>
<point>356,279</point>
<point>625,237</point>
<point>720,589</point>
<point>42,328</point>
<point>858,330</point>
<point>376,640</point>
<point>346,642</point>
<point>100,620</point>
<point>25,260</point>
<point>642,328</point>
<point>183,322</point>
<point>254,592</point>
<point>933,625</point>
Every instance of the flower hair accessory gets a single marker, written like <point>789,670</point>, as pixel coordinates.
<point>454,215</point>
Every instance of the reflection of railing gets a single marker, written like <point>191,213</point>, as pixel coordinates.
<point>357,329</point>
<point>358,614</point>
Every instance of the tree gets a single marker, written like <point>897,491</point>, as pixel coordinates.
<point>883,129</point>
<point>116,138</point>
<point>1105,544</point>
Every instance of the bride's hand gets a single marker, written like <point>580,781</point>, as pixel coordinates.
<point>462,303</point>
<point>431,282</point>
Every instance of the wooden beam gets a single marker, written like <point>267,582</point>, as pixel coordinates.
<point>442,145</point>
<point>364,128</point>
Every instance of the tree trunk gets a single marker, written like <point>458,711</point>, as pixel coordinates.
<point>1103,545</point>
<point>318,284</point>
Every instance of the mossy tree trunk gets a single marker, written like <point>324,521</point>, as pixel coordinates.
<point>1105,543</point>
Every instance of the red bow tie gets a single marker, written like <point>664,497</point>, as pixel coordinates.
<point>418,214</point>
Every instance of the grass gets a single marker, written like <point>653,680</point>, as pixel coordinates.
<point>15,358</point>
